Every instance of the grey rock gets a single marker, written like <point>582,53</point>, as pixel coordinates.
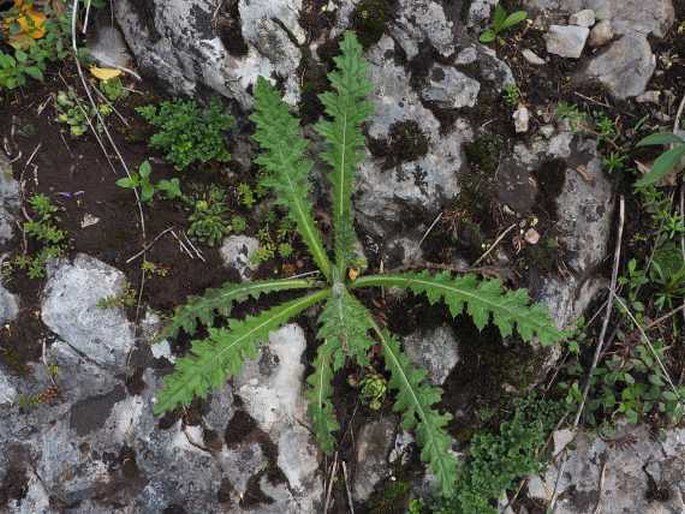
<point>423,20</point>
<point>585,210</point>
<point>566,40</point>
<point>8,393</point>
<point>271,390</point>
<point>468,55</point>
<point>238,252</point>
<point>221,409</point>
<point>70,310</point>
<point>450,89</point>
<point>9,200</point>
<point>373,447</point>
<point>652,97</point>
<point>421,184</point>
<point>493,70</point>
<point>584,18</point>
<point>108,48</point>
<point>241,464</point>
<point>601,34</point>
<point>521,118</point>
<point>180,42</point>
<point>532,57</point>
<point>625,68</point>
<point>9,305</point>
<point>617,478</point>
<point>437,351</point>
<point>480,12</point>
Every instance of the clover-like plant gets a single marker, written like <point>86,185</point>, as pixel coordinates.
<point>347,329</point>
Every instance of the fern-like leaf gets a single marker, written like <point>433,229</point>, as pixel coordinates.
<point>344,323</point>
<point>213,360</point>
<point>483,299</point>
<point>346,108</point>
<point>416,400</point>
<point>220,301</point>
<point>319,395</point>
<point>287,169</point>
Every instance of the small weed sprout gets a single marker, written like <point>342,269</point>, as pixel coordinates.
<point>501,21</point>
<point>188,134</point>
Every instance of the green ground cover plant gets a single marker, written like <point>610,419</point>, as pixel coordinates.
<point>501,21</point>
<point>347,329</point>
<point>187,133</point>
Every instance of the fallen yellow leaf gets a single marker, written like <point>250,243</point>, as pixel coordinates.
<point>104,73</point>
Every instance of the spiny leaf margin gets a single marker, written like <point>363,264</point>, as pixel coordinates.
<point>415,400</point>
<point>221,300</point>
<point>347,109</point>
<point>319,396</point>
<point>286,169</point>
<point>344,322</point>
<point>213,360</point>
<point>482,299</point>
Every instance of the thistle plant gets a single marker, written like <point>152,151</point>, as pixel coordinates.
<point>347,329</point>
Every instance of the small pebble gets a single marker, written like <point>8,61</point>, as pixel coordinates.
<point>584,18</point>
<point>601,34</point>
<point>532,236</point>
<point>566,40</point>
<point>533,58</point>
<point>521,119</point>
<point>651,97</point>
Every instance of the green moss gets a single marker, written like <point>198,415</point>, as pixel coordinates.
<point>369,20</point>
<point>392,499</point>
<point>543,256</point>
<point>484,152</point>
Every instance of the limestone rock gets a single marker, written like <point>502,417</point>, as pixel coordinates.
<point>566,40</point>
<point>643,475</point>
<point>9,200</point>
<point>532,57</point>
<point>437,351</point>
<point>70,309</point>
<point>8,392</point>
<point>189,43</point>
<point>626,67</point>
<point>238,252</point>
<point>521,118</point>
<point>271,390</point>
<point>584,18</point>
<point>9,305</point>
<point>422,173</point>
<point>450,89</point>
<point>419,20</point>
<point>373,447</point>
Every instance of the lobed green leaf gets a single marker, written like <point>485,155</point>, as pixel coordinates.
<point>286,168</point>
<point>319,394</point>
<point>213,360</point>
<point>346,109</point>
<point>220,301</point>
<point>482,299</point>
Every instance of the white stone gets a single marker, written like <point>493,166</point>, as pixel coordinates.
<point>9,305</point>
<point>566,40</point>
<point>238,253</point>
<point>521,118</point>
<point>584,18</point>
<point>437,351</point>
<point>652,97</point>
<point>468,55</point>
<point>8,392</point>
<point>70,309</point>
<point>532,236</point>
<point>532,57</point>
<point>450,89</point>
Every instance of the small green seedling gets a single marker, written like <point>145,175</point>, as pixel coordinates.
<point>171,189</point>
<point>668,161</point>
<point>501,21</point>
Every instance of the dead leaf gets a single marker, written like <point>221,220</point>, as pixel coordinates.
<point>104,73</point>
